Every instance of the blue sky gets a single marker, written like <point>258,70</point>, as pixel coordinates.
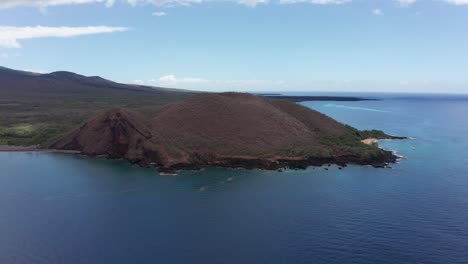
<point>251,45</point>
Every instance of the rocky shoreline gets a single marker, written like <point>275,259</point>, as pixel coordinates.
<point>266,164</point>
<point>232,130</point>
<point>381,161</point>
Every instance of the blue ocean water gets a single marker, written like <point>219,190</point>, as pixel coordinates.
<point>58,208</point>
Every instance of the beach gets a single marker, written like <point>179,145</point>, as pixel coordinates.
<point>369,141</point>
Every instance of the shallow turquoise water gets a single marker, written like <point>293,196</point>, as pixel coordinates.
<point>57,208</point>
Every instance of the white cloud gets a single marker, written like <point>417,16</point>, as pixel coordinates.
<point>377,12</point>
<point>317,2</point>
<point>159,14</point>
<point>46,3</point>
<point>251,3</point>
<point>171,81</point>
<point>164,2</point>
<point>406,3</point>
<point>9,36</point>
<point>457,2</point>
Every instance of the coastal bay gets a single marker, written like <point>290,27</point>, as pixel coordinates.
<point>53,204</point>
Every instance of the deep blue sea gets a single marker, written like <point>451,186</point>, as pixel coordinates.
<point>58,208</point>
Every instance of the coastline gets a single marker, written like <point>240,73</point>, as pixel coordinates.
<point>245,162</point>
<point>311,98</point>
<point>9,148</point>
<point>252,163</point>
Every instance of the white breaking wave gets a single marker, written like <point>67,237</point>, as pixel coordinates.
<point>356,108</point>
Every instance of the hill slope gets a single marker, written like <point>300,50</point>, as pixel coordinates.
<point>228,129</point>
<point>36,108</point>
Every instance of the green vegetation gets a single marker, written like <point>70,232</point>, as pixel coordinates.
<point>17,132</point>
<point>23,130</point>
<point>371,134</point>
<point>27,134</point>
<point>350,143</point>
<point>31,119</point>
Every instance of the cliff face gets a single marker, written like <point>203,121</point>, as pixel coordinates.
<point>119,133</point>
<point>229,129</point>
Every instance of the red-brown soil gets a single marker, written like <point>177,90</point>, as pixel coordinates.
<point>228,129</point>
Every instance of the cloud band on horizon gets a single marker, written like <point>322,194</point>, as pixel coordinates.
<point>250,3</point>
<point>10,36</point>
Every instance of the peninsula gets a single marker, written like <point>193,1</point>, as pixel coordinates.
<point>174,129</point>
<point>303,98</point>
<point>227,130</point>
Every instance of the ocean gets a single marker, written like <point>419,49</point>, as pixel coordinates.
<point>63,208</point>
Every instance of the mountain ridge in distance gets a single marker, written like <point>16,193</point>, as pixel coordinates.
<point>37,108</point>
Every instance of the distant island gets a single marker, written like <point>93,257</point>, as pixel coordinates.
<point>303,98</point>
<point>175,129</point>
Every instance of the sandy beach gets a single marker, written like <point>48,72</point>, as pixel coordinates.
<point>369,141</point>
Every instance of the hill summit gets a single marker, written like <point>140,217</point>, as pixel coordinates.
<point>225,129</point>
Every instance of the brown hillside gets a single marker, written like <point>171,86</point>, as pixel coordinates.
<point>228,129</point>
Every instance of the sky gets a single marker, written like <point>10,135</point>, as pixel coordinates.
<point>245,45</point>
